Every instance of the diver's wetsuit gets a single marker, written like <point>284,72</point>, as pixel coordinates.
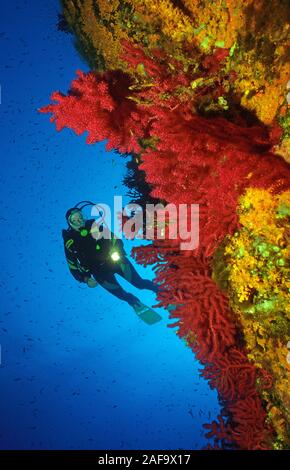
<point>88,256</point>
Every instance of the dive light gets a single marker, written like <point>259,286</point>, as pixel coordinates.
<point>115,256</point>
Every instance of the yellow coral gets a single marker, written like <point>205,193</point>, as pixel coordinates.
<point>258,282</point>
<point>172,21</point>
<point>255,32</point>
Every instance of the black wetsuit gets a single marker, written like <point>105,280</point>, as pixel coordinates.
<point>89,255</point>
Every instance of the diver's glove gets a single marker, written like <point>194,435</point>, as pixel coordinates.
<point>91,282</point>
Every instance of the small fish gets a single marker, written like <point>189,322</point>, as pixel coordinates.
<point>191,414</point>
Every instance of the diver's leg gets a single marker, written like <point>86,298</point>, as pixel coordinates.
<point>129,273</point>
<point>110,283</point>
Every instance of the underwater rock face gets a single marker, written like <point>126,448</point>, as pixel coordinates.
<point>203,104</point>
<point>253,268</point>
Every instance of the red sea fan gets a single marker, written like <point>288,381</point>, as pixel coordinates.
<point>98,104</point>
<point>219,431</point>
<point>213,62</point>
<point>248,428</point>
<point>205,311</point>
<point>232,374</point>
<point>205,320</point>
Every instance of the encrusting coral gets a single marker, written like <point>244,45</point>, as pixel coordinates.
<point>254,271</point>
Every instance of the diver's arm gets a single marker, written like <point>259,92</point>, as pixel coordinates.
<point>75,271</point>
<point>79,273</point>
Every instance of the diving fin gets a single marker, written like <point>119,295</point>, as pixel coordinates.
<point>146,314</point>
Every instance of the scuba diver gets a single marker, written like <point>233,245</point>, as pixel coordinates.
<point>94,259</point>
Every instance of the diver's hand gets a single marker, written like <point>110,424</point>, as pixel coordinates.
<point>91,282</point>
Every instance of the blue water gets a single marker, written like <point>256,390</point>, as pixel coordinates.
<point>78,369</point>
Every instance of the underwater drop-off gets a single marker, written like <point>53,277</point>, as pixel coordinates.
<point>197,94</point>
